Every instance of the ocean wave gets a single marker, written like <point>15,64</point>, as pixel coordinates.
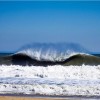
<point>52,51</point>
<point>23,59</point>
<point>51,54</point>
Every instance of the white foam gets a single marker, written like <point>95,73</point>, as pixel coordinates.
<point>46,89</point>
<point>51,80</point>
<point>57,71</point>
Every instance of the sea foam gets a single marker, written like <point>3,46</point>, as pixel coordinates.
<point>50,80</point>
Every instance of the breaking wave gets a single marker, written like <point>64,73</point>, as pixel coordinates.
<point>51,51</point>
<point>63,70</point>
<point>51,54</point>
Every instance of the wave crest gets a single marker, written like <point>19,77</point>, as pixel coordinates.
<point>52,52</point>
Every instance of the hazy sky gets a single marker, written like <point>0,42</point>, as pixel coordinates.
<point>28,22</point>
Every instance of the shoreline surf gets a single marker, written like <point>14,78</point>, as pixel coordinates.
<point>47,97</point>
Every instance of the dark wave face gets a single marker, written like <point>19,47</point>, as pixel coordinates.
<point>78,59</point>
<point>51,54</point>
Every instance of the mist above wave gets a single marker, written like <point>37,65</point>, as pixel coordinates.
<point>52,51</point>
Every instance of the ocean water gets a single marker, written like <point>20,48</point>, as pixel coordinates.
<point>51,73</point>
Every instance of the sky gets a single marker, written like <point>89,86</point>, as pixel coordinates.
<point>26,22</point>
